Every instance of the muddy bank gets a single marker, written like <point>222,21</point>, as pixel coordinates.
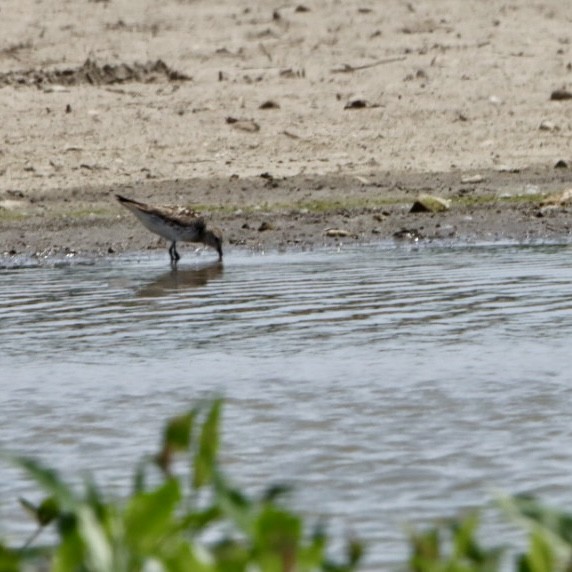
<point>267,212</point>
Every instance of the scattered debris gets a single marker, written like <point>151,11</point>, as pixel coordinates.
<point>427,26</point>
<point>548,126</point>
<point>15,193</point>
<point>560,95</point>
<point>408,234</point>
<point>419,74</point>
<point>346,68</point>
<point>430,203</point>
<point>357,103</point>
<point>291,135</point>
<point>265,51</point>
<point>269,104</point>
<point>507,169</point>
<point>291,73</point>
<point>472,179</point>
<point>94,74</point>
<point>337,232</point>
<point>247,125</point>
<point>559,198</point>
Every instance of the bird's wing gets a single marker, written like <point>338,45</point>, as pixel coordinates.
<point>180,215</point>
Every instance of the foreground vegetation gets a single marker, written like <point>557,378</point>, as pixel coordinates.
<point>184,515</point>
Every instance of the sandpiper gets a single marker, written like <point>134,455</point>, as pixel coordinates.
<point>175,224</point>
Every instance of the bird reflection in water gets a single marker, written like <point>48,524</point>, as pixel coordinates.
<point>178,279</point>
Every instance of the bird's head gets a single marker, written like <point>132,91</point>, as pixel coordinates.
<point>213,238</point>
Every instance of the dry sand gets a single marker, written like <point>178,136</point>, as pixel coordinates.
<point>294,118</point>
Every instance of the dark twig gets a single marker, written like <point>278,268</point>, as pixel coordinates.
<point>349,69</point>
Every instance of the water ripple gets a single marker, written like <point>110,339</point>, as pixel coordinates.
<point>382,381</point>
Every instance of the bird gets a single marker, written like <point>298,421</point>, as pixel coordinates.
<point>175,224</point>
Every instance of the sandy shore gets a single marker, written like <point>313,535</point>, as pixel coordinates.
<point>282,121</point>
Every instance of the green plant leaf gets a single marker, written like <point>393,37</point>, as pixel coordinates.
<point>48,511</point>
<point>540,556</point>
<point>231,555</point>
<point>278,530</point>
<point>98,550</point>
<point>425,548</point>
<point>48,479</point>
<point>313,554</point>
<point>178,432</point>
<point>149,516</point>
<point>198,520</point>
<point>9,560</point>
<point>182,556</point>
<point>556,521</point>
<point>205,458</point>
<point>69,554</point>
<point>234,505</point>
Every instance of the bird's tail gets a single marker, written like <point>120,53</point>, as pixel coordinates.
<point>126,201</point>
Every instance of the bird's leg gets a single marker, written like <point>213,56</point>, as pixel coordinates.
<point>174,254</point>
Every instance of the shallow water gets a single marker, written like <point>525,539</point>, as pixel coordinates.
<point>389,385</point>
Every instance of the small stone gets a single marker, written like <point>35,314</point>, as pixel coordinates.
<point>337,232</point>
<point>507,169</point>
<point>247,125</point>
<point>472,179</point>
<point>560,95</point>
<point>269,104</point>
<point>548,126</point>
<point>265,226</point>
<point>430,203</point>
<point>561,164</point>
<point>357,103</point>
